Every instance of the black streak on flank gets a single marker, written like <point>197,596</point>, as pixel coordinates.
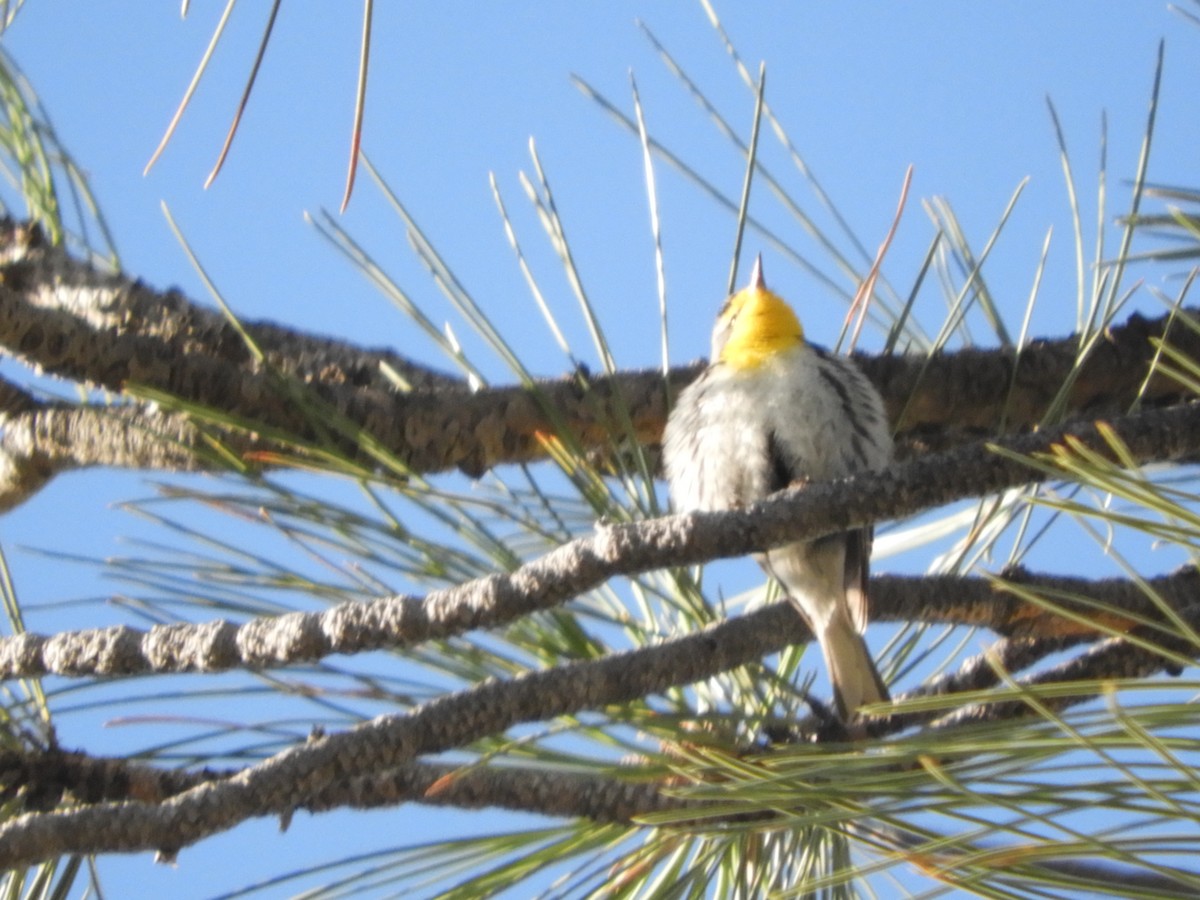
<point>844,396</point>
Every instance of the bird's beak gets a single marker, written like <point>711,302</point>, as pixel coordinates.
<point>756,277</point>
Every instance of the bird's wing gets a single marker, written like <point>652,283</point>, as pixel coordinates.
<point>858,571</point>
<point>780,471</point>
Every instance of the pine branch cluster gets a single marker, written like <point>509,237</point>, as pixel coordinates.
<point>109,332</point>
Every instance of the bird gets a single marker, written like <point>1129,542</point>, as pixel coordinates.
<point>769,411</point>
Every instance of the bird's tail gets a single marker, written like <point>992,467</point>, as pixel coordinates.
<point>856,681</point>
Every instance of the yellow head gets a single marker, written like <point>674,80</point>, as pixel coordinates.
<point>754,325</point>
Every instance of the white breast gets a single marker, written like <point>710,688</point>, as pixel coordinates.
<point>804,414</point>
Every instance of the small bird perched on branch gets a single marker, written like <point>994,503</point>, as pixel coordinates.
<point>773,410</point>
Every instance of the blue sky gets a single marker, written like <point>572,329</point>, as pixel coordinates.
<point>456,91</point>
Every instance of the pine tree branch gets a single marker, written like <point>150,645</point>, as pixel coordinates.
<point>520,789</point>
<point>1146,651</point>
<point>288,780</point>
<point>106,328</point>
<point>398,622</point>
<point>284,782</point>
<point>982,671</point>
<point>799,513</point>
<point>50,438</point>
<point>40,779</point>
<point>562,794</point>
<point>67,318</point>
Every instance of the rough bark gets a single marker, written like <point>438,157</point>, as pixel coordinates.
<point>64,317</point>
<point>798,513</point>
